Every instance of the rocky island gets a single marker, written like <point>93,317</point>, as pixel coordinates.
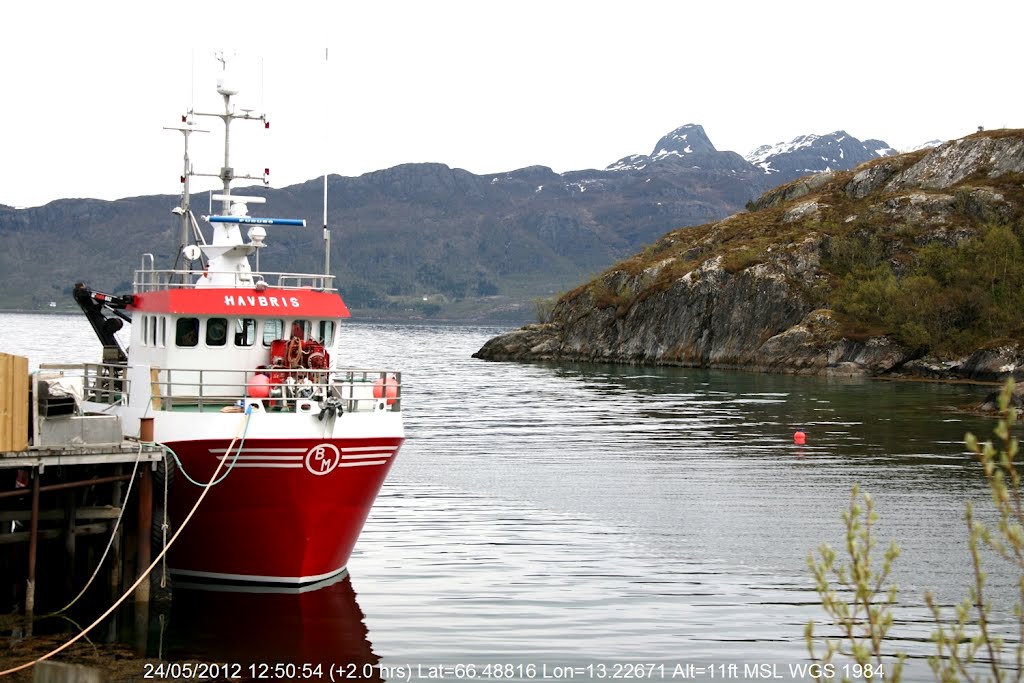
<point>908,265</point>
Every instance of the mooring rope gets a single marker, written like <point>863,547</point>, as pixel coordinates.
<point>145,574</point>
<point>113,536</point>
<point>234,458</point>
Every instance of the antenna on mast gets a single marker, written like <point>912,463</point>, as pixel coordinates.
<point>327,232</point>
<point>184,212</point>
<point>227,89</point>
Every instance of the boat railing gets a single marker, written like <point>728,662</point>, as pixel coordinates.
<point>101,383</point>
<point>104,383</point>
<point>149,280</point>
<point>271,389</point>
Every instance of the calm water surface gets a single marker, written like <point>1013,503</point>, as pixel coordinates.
<point>572,515</point>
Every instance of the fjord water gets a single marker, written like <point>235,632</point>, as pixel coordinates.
<point>567,515</point>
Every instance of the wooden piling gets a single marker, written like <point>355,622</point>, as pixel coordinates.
<point>141,627</point>
<point>61,672</point>
<point>144,532</point>
<point>115,549</point>
<point>33,547</point>
<point>62,517</point>
<point>70,538</point>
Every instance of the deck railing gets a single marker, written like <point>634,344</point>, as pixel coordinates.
<point>150,280</point>
<point>272,389</point>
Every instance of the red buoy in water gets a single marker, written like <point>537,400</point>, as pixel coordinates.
<point>386,388</point>
<point>258,386</point>
<point>799,438</point>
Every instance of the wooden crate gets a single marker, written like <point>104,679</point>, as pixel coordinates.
<point>13,403</point>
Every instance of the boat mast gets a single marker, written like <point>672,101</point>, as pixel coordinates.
<point>327,233</point>
<point>226,91</point>
<point>227,173</point>
<point>183,210</point>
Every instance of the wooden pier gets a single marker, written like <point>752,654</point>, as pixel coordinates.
<point>64,477</point>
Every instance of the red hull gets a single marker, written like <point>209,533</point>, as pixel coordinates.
<point>288,511</point>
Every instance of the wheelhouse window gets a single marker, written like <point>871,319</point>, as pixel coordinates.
<point>325,332</point>
<point>186,332</point>
<point>272,330</point>
<point>301,329</point>
<point>245,332</point>
<point>216,331</point>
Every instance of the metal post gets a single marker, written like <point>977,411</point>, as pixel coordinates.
<point>145,519</point>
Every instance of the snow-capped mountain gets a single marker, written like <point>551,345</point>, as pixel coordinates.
<point>808,154</point>
<point>689,147</point>
<point>686,146</point>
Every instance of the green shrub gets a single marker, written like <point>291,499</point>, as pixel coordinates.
<point>846,253</point>
<point>952,300</point>
<point>544,308</point>
<point>960,642</point>
<point>860,605</point>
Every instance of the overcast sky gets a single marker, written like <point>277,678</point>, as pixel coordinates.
<point>486,86</point>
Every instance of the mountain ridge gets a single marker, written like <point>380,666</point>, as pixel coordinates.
<point>473,245</point>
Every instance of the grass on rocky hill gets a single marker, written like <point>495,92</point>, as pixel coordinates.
<point>942,271</point>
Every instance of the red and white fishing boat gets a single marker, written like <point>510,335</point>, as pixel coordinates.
<point>237,368</point>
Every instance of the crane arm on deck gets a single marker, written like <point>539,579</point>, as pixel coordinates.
<point>100,309</point>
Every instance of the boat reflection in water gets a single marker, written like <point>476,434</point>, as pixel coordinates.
<point>320,624</point>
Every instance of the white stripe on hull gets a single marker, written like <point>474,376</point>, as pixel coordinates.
<point>267,465</point>
<point>352,449</point>
<point>292,580</point>
<point>299,465</point>
<point>354,456</point>
<point>261,450</point>
<point>243,458</point>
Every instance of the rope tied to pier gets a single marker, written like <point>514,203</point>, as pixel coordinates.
<point>113,535</point>
<point>144,575</point>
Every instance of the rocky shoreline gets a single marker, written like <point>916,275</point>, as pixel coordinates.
<point>753,292</point>
<point>794,351</point>
<point>540,342</point>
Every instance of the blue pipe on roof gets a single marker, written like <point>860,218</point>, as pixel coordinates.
<point>252,220</point>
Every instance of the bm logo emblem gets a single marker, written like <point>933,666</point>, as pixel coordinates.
<point>323,459</point>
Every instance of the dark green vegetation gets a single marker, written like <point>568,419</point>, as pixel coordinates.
<point>950,299</point>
